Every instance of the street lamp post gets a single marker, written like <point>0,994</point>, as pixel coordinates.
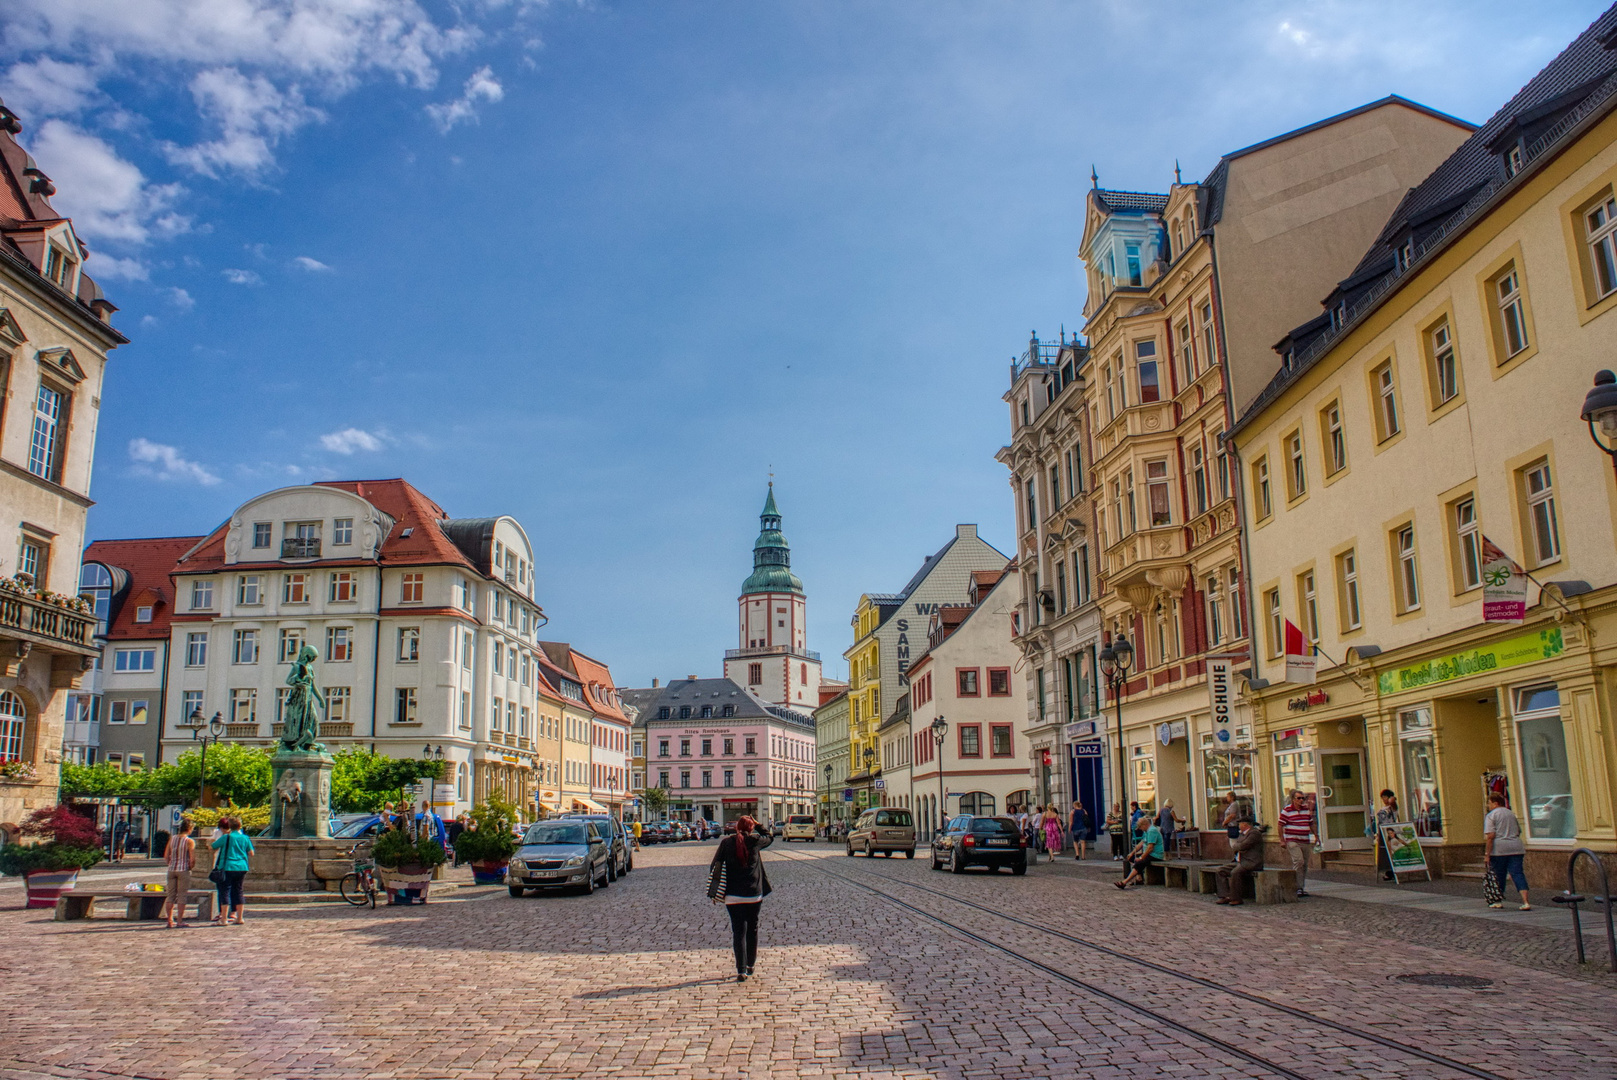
<point>216,731</point>
<point>940,731</point>
<point>1600,408</point>
<point>870,764</point>
<point>1115,661</point>
<point>828,796</point>
<point>612,791</point>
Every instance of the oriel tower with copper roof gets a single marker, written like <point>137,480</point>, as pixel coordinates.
<point>772,659</point>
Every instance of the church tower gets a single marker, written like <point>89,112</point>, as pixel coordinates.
<point>772,659</point>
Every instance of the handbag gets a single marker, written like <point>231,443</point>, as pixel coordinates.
<point>1492,891</point>
<point>216,875</point>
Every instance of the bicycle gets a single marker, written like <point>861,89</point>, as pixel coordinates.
<point>358,886</point>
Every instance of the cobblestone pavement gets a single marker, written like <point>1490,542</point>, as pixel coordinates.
<point>636,981</point>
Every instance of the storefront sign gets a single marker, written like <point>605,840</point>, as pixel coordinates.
<point>1541,645</point>
<point>1079,729</point>
<point>880,784</point>
<point>1308,701</point>
<point>1504,586</point>
<point>1087,749</point>
<point>1169,730</point>
<point>1404,854</point>
<point>1299,656</point>
<point>1221,696</point>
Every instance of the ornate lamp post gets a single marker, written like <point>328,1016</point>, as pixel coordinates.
<point>216,731</point>
<point>870,764</point>
<point>940,731</point>
<point>828,794</point>
<point>1115,661</point>
<point>1600,408</point>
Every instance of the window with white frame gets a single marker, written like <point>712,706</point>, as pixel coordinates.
<point>1187,354</point>
<point>261,534</point>
<point>243,706</point>
<point>1198,477</point>
<point>1386,389</point>
<point>134,660</point>
<point>1145,362</point>
<point>1233,580</point>
<point>338,699</point>
<point>1408,580</point>
<point>344,586</point>
<point>1335,439</point>
<point>342,532</point>
<point>43,450</point>
<point>465,719</point>
<point>13,722</point>
<point>190,705</point>
<point>1157,492</point>
<point>249,589</point>
<point>1277,630</point>
<point>1215,610</point>
<point>404,705</point>
<point>1297,471</point>
<point>1512,312</point>
<point>410,588</point>
<point>201,595</point>
<point>1260,488</point>
<point>1445,366</point>
<point>1347,576</point>
<point>1602,229</point>
<point>339,643</point>
<point>1209,351</point>
<point>295,589</point>
<point>292,639</point>
<point>409,644</point>
<point>1543,524</point>
<point>1308,605</point>
<point>1467,544</point>
<point>245,647</point>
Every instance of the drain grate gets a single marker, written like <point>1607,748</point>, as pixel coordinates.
<point>1452,982</point>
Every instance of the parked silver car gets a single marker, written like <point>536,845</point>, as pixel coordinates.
<point>560,854</point>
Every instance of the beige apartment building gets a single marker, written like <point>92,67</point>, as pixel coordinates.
<point>1125,491</point>
<point>55,335</point>
<point>1434,408</point>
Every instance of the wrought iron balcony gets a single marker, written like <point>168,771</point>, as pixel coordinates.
<point>46,624</point>
<point>300,547</point>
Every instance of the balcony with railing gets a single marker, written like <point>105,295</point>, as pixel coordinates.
<point>47,621</point>
<point>241,731</point>
<point>300,547</point>
<point>771,650</point>
<point>334,730</point>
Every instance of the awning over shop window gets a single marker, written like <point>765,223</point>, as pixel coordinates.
<point>587,804</point>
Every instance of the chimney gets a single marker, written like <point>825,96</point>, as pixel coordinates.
<point>654,684</point>
<point>965,532</point>
<point>692,678</point>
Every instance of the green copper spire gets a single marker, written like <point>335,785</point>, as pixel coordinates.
<point>771,557</point>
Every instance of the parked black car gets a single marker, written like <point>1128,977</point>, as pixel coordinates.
<point>980,841</point>
<point>560,854</point>
<point>622,850</point>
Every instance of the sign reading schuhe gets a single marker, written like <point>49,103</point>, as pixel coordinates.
<point>1221,696</point>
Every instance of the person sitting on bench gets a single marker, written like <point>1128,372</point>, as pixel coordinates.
<point>1247,848</point>
<point>1149,849</point>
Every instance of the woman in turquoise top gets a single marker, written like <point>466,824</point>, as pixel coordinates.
<point>233,847</point>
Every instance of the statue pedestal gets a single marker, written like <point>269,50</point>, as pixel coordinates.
<point>300,795</point>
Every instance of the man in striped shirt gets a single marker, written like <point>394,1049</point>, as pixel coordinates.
<point>1297,835</point>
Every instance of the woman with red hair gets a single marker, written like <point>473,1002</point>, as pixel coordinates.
<point>736,878</point>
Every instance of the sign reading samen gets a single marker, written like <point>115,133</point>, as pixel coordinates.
<point>1540,645</point>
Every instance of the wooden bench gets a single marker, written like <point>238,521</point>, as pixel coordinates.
<point>139,906</point>
<point>1266,886</point>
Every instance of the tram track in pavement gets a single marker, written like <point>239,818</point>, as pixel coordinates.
<point>1123,1001</point>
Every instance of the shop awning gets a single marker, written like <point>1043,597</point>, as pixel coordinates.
<point>588,804</point>
<point>545,806</point>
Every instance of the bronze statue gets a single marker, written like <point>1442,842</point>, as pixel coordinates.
<point>304,704</point>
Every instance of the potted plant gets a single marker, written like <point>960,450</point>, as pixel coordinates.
<point>489,841</point>
<point>63,843</point>
<point>405,864</point>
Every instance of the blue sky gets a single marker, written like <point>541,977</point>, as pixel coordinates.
<point>602,266</point>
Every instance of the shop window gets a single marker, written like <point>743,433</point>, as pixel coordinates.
<point>1422,804</point>
<point>1545,771</point>
<point>1143,766</point>
<point>979,803</point>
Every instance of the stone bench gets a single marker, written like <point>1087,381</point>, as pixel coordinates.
<point>1183,873</point>
<point>139,906</point>
<point>1266,886</point>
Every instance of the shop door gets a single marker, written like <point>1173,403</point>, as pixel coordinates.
<point>1086,762</point>
<point>1343,800</point>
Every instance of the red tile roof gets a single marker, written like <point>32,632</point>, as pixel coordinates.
<point>598,686</point>
<point>413,513</point>
<point>148,563</point>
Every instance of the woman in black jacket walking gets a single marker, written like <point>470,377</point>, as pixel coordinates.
<point>736,878</point>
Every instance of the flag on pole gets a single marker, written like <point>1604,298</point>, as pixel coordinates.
<point>1504,586</point>
<point>1299,656</point>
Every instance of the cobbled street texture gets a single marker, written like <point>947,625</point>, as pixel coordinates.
<point>637,981</point>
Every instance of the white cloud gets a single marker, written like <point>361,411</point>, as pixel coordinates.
<point>162,462</point>
<point>252,115</point>
<point>148,320</point>
<point>314,266</point>
<point>242,277</point>
<point>350,440</point>
<point>45,87</point>
<point>107,197</point>
<point>112,268</point>
<point>181,299</point>
<point>482,86</point>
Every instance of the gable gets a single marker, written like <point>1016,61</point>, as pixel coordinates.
<point>10,333</point>
<point>62,361</point>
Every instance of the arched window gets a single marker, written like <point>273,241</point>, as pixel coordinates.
<point>980,803</point>
<point>95,585</point>
<point>1019,800</point>
<point>12,718</point>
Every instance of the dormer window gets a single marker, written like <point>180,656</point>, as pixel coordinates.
<point>1132,251</point>
<point>59,266</point>
<point>143,613</point>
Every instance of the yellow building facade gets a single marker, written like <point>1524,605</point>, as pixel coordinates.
<point>864,699</point>
<point>1433,408</point>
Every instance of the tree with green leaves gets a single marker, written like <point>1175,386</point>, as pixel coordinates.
<point>362,780</point>
<point>655,801</point>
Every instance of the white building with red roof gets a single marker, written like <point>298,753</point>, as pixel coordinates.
<point>426,629</point>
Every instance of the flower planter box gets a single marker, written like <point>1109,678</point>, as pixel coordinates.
<point>405,884</point>
<point>489,873</point>
<point>45,887</point>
